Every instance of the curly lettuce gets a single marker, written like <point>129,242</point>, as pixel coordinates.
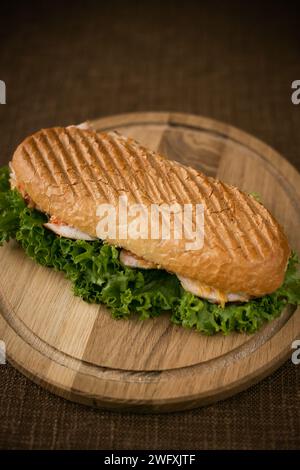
<point>97,276</point>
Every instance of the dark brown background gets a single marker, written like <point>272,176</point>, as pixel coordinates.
<point>64,64</point>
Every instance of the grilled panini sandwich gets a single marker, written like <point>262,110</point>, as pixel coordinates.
<point>67,172</point>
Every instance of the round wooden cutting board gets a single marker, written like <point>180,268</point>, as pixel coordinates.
<point>79,352</point>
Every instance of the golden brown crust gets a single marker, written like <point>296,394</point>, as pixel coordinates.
<point>67,172</point>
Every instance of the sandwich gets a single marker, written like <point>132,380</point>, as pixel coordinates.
<point>240,273</point>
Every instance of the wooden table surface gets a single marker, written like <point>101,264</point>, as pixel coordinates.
<point>233,63</point>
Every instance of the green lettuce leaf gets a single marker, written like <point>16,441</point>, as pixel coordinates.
<point>97,276</point>
<point>11,206</point>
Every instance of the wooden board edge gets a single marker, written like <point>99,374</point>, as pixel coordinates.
<point>151,405</point>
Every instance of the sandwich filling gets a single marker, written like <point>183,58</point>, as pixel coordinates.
<point>64,230</point>
<point>131,260</point>
<point>193,286</point>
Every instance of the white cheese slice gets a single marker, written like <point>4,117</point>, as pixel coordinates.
<point>68,232</point>
<point>213,295</point>
<point>132,261</point>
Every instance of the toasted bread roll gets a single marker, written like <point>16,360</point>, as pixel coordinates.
<point>68,172</point>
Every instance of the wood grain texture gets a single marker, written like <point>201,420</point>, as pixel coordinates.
<point>78,351</point>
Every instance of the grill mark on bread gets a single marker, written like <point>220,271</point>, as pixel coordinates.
<point>215,221</point>
<point>28,159</point>
<point>163,172</point>
<point>177,180</point>
<point>87,147</point>
<point>118,157</point>
<point>233,225</point>
<point>66,162</point>
<point>118,160</point>
<point>199,182</point>
<point>176,172</point>
<point>37,156</point>
<point>101,162</point>
<point>223,243</point>
<point>60,162</point>
<point>259,236</point>
<point>116,179</point>
<point>214,198</point>
<point>218,217</point>
<point>139,163</point>
<point>77,146</point>
<point>164,186</point>
<point>174,182</point>
<point>136,167</point>
<point>74,161</point>
<point>146,188</point>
